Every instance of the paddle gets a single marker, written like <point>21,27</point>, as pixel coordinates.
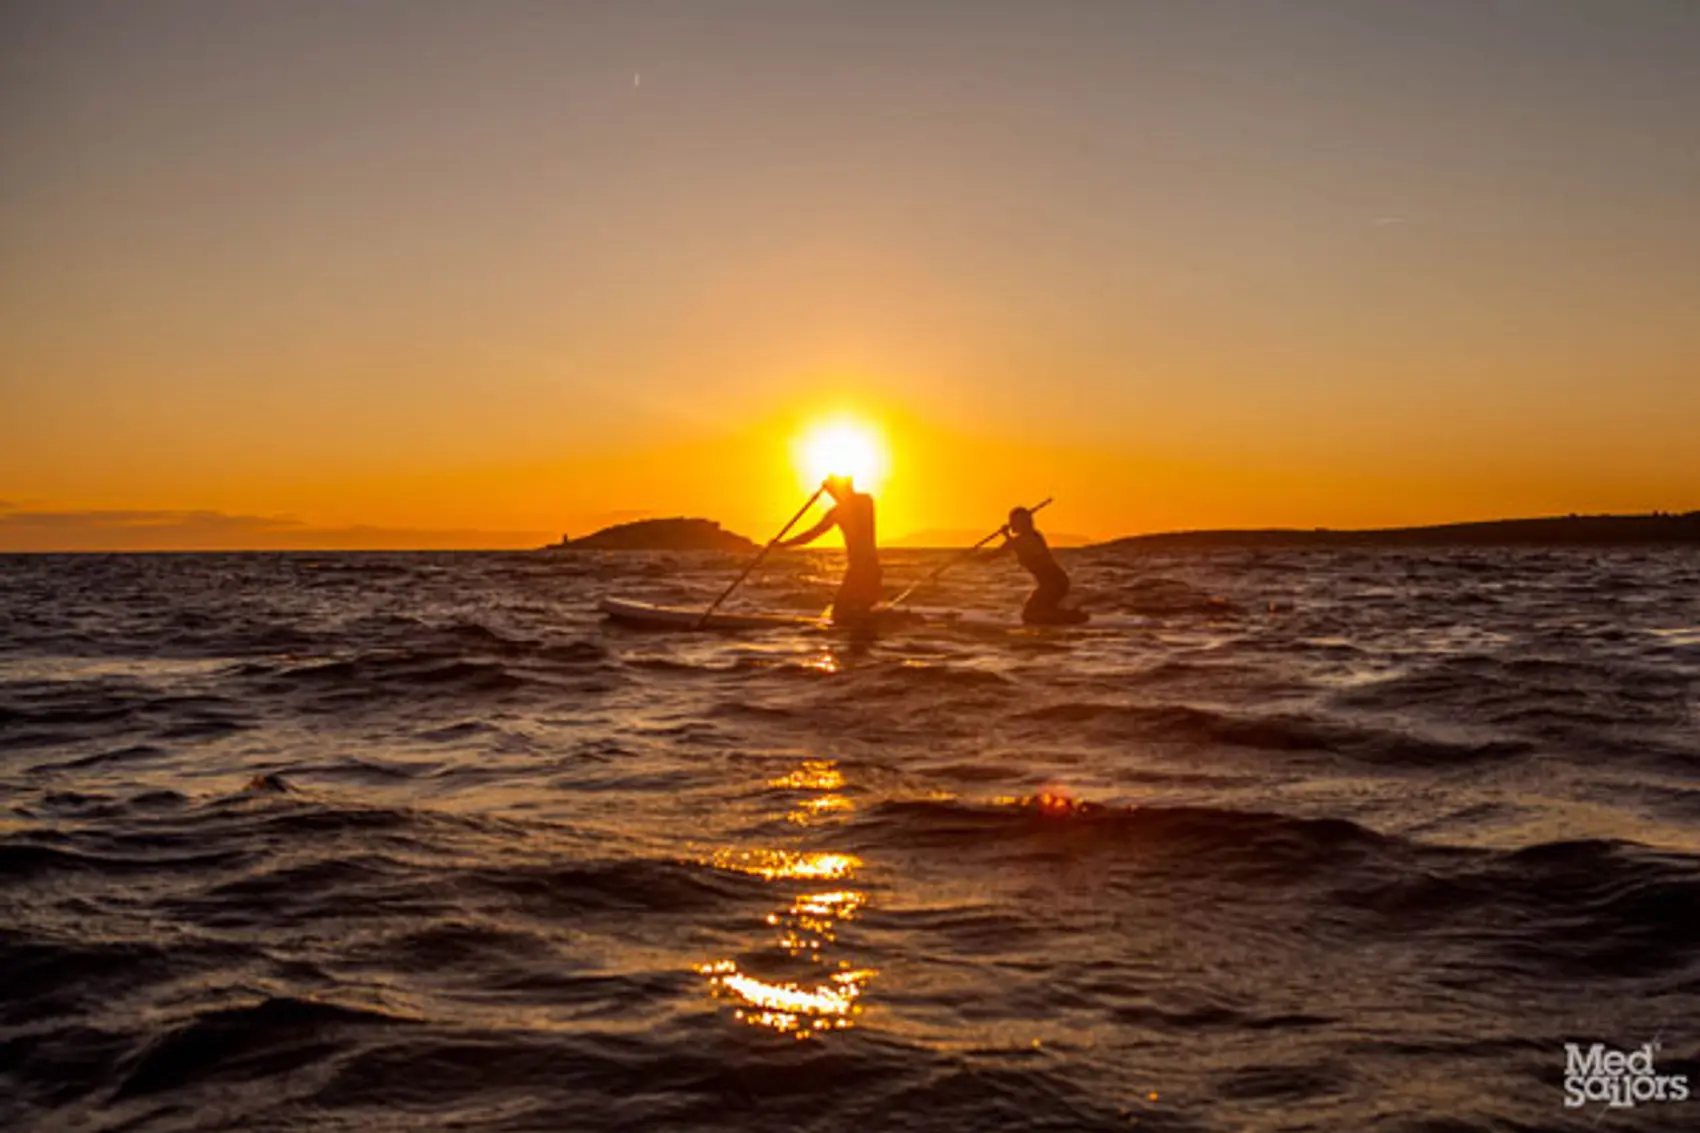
<point>760,555</point>
<point>950,562</point>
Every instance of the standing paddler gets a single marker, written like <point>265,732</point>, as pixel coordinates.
<point>853,514</point>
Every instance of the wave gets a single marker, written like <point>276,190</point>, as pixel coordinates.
<point>24,859</point>
<point>1297,733</point>
<point>1592,907</point>
<point>1201,835</point>
<point>66,713</point>
<point>274,1036</point>
<point>615,885</point>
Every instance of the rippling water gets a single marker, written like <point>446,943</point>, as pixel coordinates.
<point>1323,841</point>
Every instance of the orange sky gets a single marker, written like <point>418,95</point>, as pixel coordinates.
<point>451,275</point>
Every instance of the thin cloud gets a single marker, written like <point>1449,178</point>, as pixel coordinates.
<point>166,530</point>
<point>127,520</point>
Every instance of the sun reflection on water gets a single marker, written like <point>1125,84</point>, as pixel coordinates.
<point>812,920</point>
<point>790,1008</point>
<point>805,1007</point>
<point>811,775</point>
<point>1053,801</point>
<point>793,865</point>
<point>841,904</point>
<point>813,808</point>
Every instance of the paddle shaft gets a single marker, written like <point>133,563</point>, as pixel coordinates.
<point>950,562</point>
<point>760,555</point>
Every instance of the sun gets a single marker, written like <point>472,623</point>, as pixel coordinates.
<point>842,447</point>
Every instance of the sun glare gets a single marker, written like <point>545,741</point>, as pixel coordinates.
<point>844,447</point>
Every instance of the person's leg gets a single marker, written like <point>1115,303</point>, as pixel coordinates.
<point>1041,605</point>
<point>847,611</point>
<point>1045,606</point>
<point>857,596</point>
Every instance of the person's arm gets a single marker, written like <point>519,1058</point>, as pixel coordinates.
<point>813,533</point>
<point>1004,548</point>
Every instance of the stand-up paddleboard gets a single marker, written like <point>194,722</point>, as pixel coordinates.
<point>942,617</point>
<point>647,615</point>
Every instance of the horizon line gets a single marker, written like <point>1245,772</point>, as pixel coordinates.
<point>896,544</point>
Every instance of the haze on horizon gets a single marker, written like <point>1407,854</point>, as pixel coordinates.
<point>452,274</point>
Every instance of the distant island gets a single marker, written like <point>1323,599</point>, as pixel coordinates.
<point>1659,528</point>
<point>1569,530</point>
<point>675,534</point>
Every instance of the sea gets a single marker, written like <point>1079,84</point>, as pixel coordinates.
<point>1293,840</point>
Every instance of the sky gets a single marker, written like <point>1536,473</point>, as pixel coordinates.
<point>476,274</point>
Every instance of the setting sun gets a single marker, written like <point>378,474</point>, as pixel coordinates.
<point>843,447</point>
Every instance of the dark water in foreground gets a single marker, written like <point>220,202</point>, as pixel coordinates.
<point>1352,841</point>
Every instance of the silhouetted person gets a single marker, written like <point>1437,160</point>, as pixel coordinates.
<point>1044,606</point>
<point>853,514</point>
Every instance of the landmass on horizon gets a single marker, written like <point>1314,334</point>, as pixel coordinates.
<point>680,534</point>
<point>1564,530</point>
<point>671,534</point>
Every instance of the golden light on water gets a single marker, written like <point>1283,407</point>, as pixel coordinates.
<point>808,928</point>
<point>794,865</point>
<point>812,921</point>
<point>811,809</point>
<point>815,775</point>
<point>1054,801</point>
<point>844,446</point>
<point>791,1008</point>
<point>812,775</point>
<point>825,663</point>
<point>820,913</point>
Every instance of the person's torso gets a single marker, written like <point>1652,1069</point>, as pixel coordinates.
<point>1032,552</point>
<point>856,521</point>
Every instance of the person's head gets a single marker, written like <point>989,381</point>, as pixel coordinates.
<point>838,487</point>
<point>1020,520</point>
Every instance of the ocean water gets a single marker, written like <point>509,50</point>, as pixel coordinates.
<point>1310,841</point>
